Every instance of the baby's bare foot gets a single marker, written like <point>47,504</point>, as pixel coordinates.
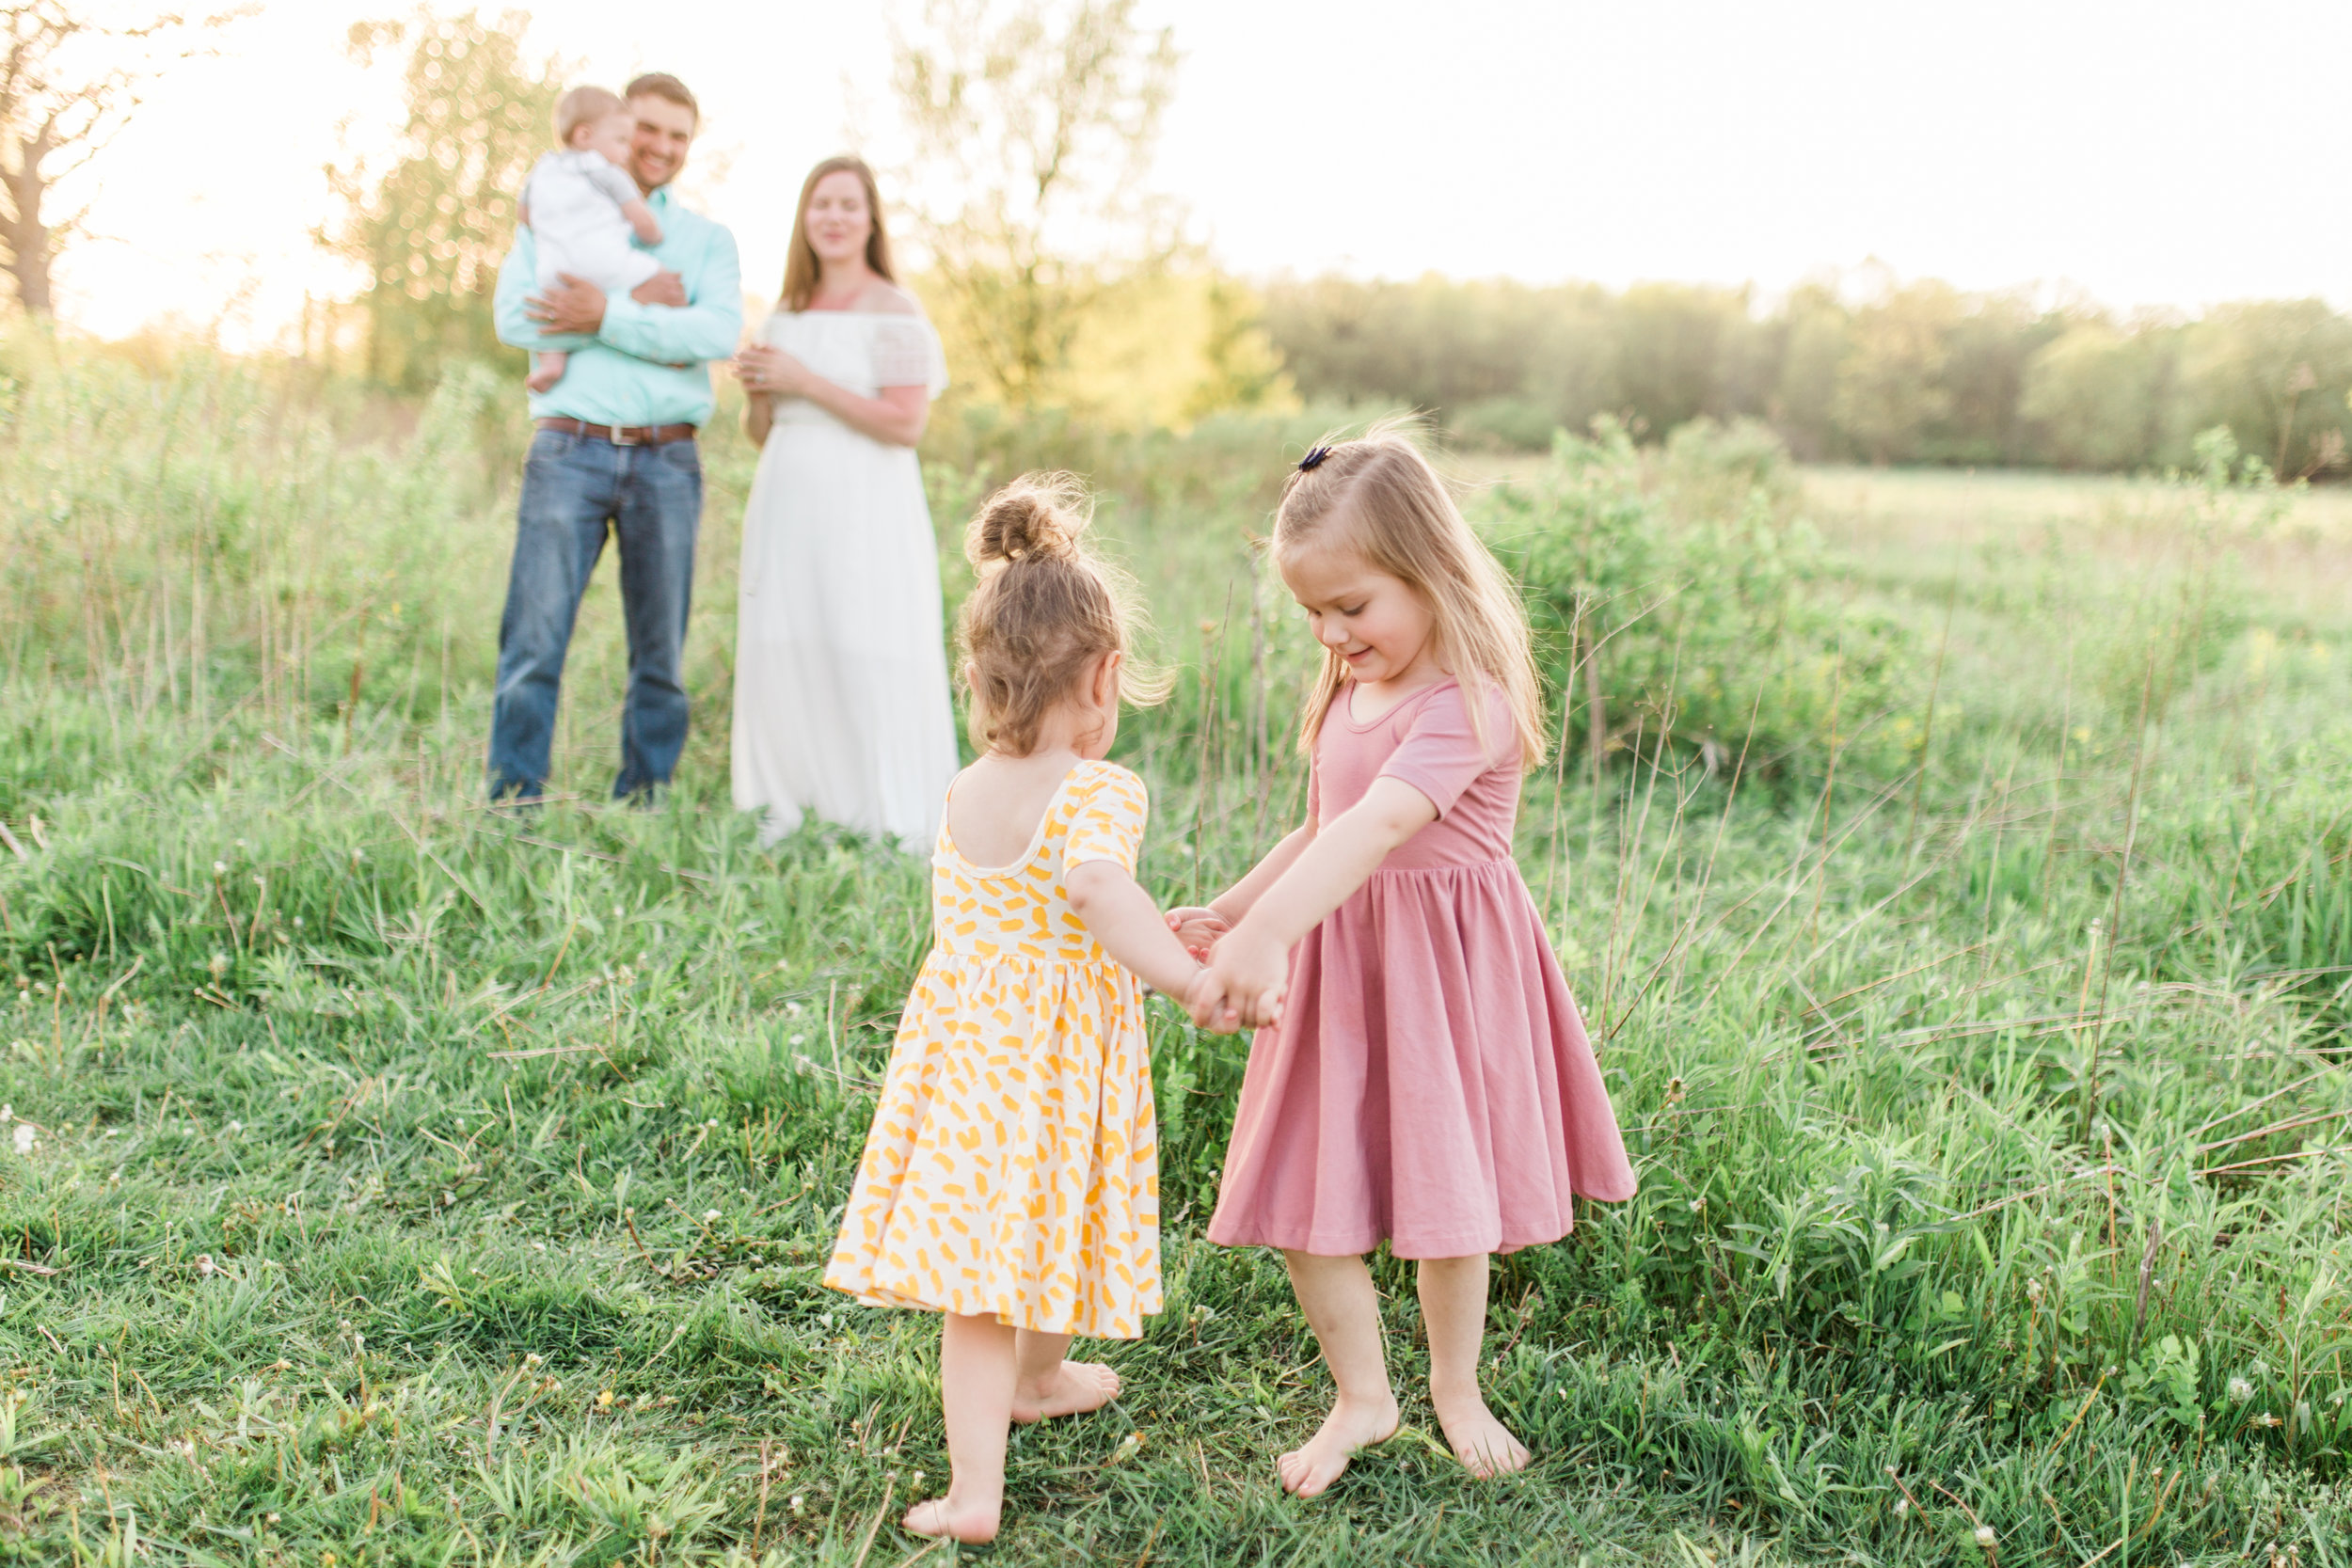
<point>1315,1464</point>
<point>972,1523</point>
<point>1484,1445</point>
<point>1072,1387</point>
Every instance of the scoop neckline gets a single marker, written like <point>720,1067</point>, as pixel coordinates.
<point>1347,704</point>
<point>1037,839</point>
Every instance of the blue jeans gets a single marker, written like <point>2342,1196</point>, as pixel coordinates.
<point>573,487</point>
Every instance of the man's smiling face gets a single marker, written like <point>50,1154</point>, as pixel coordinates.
<point>657,147</point>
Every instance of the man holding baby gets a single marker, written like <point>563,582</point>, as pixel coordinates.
<point>615,448</point>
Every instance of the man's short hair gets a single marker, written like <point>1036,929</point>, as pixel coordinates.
<point>581,107</point>
<point>661,83</point>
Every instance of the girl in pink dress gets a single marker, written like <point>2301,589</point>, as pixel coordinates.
<point>1422,1078</point>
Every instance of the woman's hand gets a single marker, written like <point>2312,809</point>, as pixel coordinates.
<point>1250,973</point>
<point>767,371</point>
<point>1198,928</point>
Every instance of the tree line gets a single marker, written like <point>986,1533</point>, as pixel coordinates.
<point>1876,370</point>
<point>1058,279</point>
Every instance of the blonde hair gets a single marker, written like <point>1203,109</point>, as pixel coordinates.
<point>801,267</point>
<point>1378,498</point>
<point>583,106</point>
<point>1046,607</point>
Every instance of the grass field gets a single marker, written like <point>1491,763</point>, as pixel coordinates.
<point>388,1181</point>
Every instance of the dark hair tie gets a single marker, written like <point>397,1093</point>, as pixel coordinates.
<point>1313,459</point>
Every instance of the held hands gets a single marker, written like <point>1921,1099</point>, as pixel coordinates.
<point>1249,974</point>
<point>1198,928</point>
<point>1241,981</point>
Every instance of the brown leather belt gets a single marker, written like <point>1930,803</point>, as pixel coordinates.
<point>621,435</point>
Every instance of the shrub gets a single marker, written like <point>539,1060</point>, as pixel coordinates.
<point>1686,610</point>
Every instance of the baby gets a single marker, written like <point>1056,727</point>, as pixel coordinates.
<point>581,206</point>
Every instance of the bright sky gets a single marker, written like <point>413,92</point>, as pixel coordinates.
<point>2145,153</point>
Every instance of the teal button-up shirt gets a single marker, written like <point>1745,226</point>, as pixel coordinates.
<point>646,363</point>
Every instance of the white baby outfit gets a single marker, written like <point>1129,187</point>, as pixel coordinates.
<point>573,198</point>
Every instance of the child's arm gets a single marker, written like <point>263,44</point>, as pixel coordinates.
<point>1248,964</point>
<point>1123,919</point>
<point>1198,926</point>
<point>640,218</point>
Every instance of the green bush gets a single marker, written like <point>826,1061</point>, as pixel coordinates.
<point>1685,609</point>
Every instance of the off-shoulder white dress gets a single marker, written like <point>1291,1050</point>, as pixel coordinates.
<point>841,703</point>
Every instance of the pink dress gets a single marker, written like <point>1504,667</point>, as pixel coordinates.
<point>1430,1084</point>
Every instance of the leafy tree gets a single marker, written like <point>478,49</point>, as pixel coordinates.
<point>1033,125</point>
<point>2098,397</point>
<point>1889,386</point>
<point>69,80</point>
<point>432,229</point>
<point>2275,372</point>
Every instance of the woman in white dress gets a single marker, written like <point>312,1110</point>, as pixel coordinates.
<point>841,703</point>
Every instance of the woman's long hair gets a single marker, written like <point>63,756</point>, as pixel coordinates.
<point>801,270</point>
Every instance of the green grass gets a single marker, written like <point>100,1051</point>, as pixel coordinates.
<point>1991,1114</point>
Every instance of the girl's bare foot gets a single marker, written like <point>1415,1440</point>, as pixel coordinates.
<point>1314,1465</point>
<point>1070,1388</point>
<point>1484,1445</point>
<point>972,1523</point>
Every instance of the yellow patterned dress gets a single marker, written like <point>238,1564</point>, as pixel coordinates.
<point>1012,1168</point>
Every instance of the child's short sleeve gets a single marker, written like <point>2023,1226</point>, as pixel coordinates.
<point>613,180</point>
<point>1106,824</point>
<point>1441,755</point>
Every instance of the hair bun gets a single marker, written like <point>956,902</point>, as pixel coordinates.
<point>1036,516</point>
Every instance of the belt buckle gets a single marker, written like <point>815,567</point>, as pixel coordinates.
<point>624,436</point>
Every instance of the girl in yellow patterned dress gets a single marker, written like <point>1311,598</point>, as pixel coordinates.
<point>1010,1179</point>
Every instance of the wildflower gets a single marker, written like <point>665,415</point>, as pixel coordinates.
<point>204,1264</point>
<point>532,1359</point>
<point>2240,1390</point>
<point>220,868</point>
<point>1985,1537</point>
<point>25,1137</point>
<point>2033,1291</point>
<point>710,1216</point>
<point>217,965</point>
<point>796,1504</point>
<point>604,1399</point>
<point>7,1114</point>
<point>1902,1507</point>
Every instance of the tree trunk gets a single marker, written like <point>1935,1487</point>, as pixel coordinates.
<point>22,231</point>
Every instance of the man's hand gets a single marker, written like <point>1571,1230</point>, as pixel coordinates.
<point>573,306</point>
<point>662,288</point>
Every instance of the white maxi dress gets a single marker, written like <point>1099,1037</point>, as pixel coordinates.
<point>841,703</point>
